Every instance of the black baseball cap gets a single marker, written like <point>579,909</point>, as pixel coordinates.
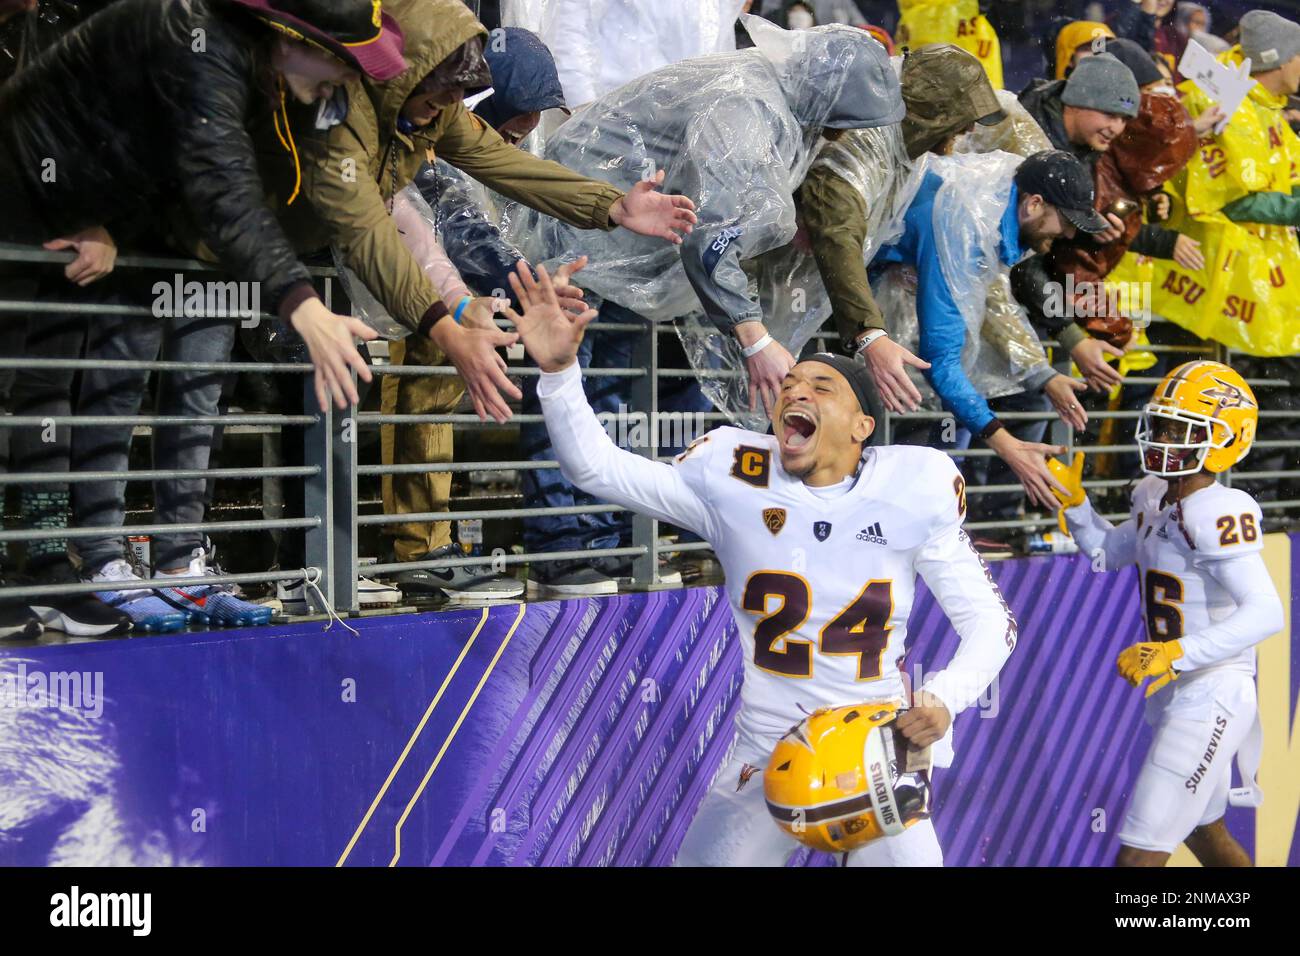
<point>1064,182</point>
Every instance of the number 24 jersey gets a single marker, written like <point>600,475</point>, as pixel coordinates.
<point>822,581</point>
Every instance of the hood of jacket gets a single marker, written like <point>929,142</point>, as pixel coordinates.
<point>524,78</point>
<point>1156,145</point>
<point>1072,36</point>
<point>433,29</point>
<point>1234,57</point>
<point>1042,99</point>
<point>836,76</point>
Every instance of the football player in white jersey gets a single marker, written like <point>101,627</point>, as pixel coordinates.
<point>1207,601</point>
<point>821,540</point>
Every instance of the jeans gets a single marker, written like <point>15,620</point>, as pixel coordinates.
<point>116,392</point>
<point>45,393</point>
<point>548,488</point>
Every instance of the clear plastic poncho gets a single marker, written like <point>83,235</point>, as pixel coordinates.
<point>417,224</point>
<point>1002,349</point>
<point>735,132</point>
<point>1018,133</point>
<point>794,302</point>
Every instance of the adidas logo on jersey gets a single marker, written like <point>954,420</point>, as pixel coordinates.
<point>873,534</point>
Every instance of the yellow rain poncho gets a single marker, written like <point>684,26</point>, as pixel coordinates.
<point>1248,294</point>
<point>951,21</point>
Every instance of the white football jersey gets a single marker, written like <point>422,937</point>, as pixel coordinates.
<point>821,581</point>
<point>1176,545</point>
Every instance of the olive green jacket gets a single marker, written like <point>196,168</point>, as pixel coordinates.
<point>351,172</point>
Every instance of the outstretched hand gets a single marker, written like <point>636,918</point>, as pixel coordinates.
<point>570,295</point>
<point>550,335</point>
<point>649,212</point>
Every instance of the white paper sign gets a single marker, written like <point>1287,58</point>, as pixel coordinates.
<point>1220,82</point>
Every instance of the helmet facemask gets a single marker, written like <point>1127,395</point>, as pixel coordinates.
<point>1174,442</point>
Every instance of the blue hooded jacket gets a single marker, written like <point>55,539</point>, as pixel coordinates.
<point>942,328</point>
<point>524,80</point>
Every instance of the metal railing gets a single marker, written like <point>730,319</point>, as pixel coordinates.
<point>336,515</point>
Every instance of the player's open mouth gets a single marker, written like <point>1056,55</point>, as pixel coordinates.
<point>797,429</point>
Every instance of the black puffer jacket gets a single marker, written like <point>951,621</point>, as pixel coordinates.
<point>1042,99</point>
<point>143,106</point>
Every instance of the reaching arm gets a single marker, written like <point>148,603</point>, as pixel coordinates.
<point>471,145</point>
<point>1097,536</point>
<point>1258,614</point>
<point>745,208</point>
<point>587,456</point>
<point>835,215</point>
<point>590,460</point>
<point>217,171</point>
<point>942,340</point>
<point>967,593</point>
<point>1272,208</point>
<point>350,203</point>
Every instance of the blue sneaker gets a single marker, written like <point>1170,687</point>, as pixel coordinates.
<point>213,603</point>
<point>148,611</point>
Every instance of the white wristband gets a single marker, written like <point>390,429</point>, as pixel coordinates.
<point>869,338</point>
<point>750,351</point>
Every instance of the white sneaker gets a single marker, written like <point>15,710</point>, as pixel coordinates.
<point>292,597</point>
<point>370,592</point>
<point>296,598</point>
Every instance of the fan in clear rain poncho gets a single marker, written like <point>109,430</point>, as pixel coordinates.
<point>735,132</point>
<point>851,203</point>
<point>1002,356</point>
<point>971,216</point>
<point>862,182</point>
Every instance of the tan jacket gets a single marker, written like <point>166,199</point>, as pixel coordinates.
<point>351,172</point>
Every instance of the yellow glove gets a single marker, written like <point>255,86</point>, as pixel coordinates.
<point>1071,478</point>
<point>1141,661</point>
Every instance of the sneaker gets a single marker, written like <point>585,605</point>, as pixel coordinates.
<point>295,597</point>
<point>146,610</point>
<point>561,579</point>
<point>77,615</point>
<point>18,622</point>
<point>82,615</point>
<point>371,593</point>
<point>474,583</point>
<point>213,603</point>
<point>621,570</point>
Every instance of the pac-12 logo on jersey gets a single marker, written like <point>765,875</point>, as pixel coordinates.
<point>822,530</point>
<point>774,519</point>
<point>751,465</point>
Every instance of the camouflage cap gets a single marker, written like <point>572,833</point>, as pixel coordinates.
<point>945,90</point>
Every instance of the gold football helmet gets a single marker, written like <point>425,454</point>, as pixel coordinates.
<point>1202,415</point>
<point>834,781</point>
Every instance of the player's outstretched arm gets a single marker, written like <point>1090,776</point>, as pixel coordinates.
<point>1110,547</point>
<point>587,456</point>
